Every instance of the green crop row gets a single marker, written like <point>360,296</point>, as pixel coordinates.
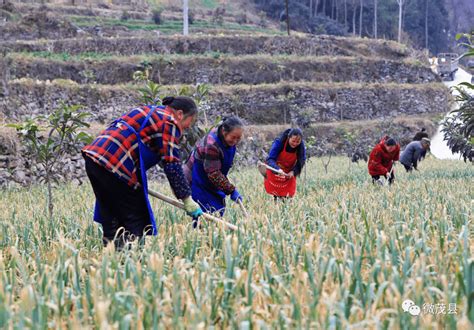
<point>343,253</point>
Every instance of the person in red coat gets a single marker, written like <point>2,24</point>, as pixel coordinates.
<point>381,160</point>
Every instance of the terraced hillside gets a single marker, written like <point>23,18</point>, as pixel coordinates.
<point>60,19</point>
<point>263,76</point>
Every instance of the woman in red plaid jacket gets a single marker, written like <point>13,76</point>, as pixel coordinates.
<point>117,161</point>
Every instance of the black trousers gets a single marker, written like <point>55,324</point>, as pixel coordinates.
<point>281,198</point>
<point>123,209</point>
<point>408,168</point>
<point>391,178</point>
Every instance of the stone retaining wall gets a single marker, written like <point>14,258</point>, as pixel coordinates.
<point>247,70</point>
<point>262,104</point>
<point>238,45</point>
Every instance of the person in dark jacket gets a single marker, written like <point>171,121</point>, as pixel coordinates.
<point>382,158</point>
<point>209,164</point>
<point>413,153</point>
<point>287,156</point>
<point>116,164</point>
<point>420,134</point>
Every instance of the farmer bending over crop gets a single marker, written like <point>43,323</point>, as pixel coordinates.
<point>117,161</point>
<point>209,164</point>
<point>418,136</point>
<point>413,153</point>
<point>381,160</point>
<point>287,156</point>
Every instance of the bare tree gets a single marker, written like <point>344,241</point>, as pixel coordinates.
<point>316,8</point>
<point>406,4</point>
<point>345,14</point>
<point>287,17</point>
<point>326,164</point>
<point>354,13</point>
<point>185,17</point>
<point>361,11</point>
<point>426,24</point>
<point>375,18</point>
<point>400,14</point>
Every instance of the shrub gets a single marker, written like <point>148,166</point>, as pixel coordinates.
<point>218,16</point>
<point>156,16</point>
<point>242,18</point>
<point>191,17</point>
<point>262,19</point>
<point>324,25</point>
<point>125,16</point>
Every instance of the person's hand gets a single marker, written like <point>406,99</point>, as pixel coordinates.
<point>290,174</point>
<point>196,223</point>
<point>192,208</point>
<point>391,178</point>
<point>235,196</point>
<point>281,173</point>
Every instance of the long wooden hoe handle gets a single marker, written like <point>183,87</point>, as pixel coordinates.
<point>243,208</point>
<point>180,205</point>
<point>272,168</point>
<point>390,174</point>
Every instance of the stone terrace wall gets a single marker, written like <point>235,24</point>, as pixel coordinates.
<point>249,70</point>
<point>331,102</point>
<point>86,2</point>
<point>263,104</point>
<point>237,45</point>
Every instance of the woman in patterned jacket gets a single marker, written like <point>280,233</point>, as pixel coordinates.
<point>209,164</point>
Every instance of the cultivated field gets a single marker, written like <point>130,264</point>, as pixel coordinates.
<point>343,253</point>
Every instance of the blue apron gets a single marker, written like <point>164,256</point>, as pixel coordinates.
<point>147,159</point>
<point>203,191</point>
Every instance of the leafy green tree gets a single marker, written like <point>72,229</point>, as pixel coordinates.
<point>459,127</point>
<point>63,137</point>
<point>200,94</point>
<point>150,93</point>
